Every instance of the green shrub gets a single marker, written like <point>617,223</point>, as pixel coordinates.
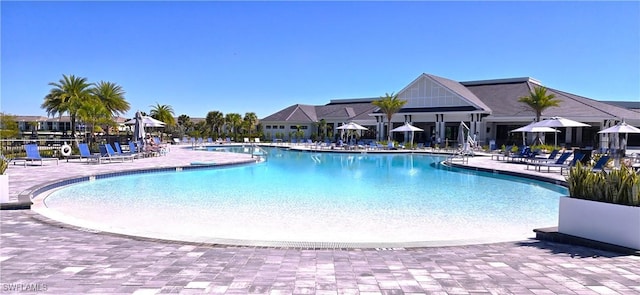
<point>4,164</point>
<point>618,186</point>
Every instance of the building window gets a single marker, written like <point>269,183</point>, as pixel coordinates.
<point>281,126</point>
<point>268,127</point>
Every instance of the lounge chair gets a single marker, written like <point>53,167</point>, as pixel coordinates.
<point>256,140</point>
<point>600,164</point>
<point>12,160</point>
<point>33,155</point>
<point>560,161</point>
<point>85,153</point>
<point>136,152</point>
<point>117,148</point>
<point>524,154</point>
<point>576,157</point>
<point>551,158</point>
<point>132,151</point>
<point>107,152</point>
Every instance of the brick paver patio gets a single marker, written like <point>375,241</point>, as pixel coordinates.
<point>38,255</point>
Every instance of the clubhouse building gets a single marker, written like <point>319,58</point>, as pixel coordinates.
<point>489,108</point>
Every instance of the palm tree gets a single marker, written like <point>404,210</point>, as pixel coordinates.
<point>184,123</point>
<point>112,97</point>
<point>250,119</point>
<point>67,96</point>
<point>389,104</point>
<point>234,120</point>
<point>163,113</point>
<point>538,100</point>
<point>322,128</point>
<point>93,113</point>
<point>215,120</point>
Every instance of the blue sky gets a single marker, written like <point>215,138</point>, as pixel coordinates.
<point>264,56</point>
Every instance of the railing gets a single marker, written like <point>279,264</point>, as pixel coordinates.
<point>258,152</point>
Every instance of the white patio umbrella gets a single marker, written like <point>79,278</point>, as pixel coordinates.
<point>138,127</point>
<point>352,126</point>
<point>621,128</point>
<point>555,122</point>
<point>147,121</point>
<point>531,128</point>
<point>407,128</point>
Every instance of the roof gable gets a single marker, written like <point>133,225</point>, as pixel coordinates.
<point>295,113</point>
<point>429,91</point>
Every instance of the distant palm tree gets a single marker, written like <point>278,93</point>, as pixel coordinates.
<point>234,120</point>
<point>67,96</point>
<point>322,128</point>
<point>538,100</point>
<point>215,120</point>
<point>184,124</point>
<point>250,119</point>
<point>163,113</point>
<point>389,105</point>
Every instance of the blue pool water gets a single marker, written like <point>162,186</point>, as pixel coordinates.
<point>317,197</point>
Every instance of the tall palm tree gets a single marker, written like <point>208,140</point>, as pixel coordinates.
<point>67,96</point>
<point>184,124</point>
<point>250,119</point>
<point>322,128</point>
<point>112,97</point>
<point>538,101</point>
<point>163,113</point>
<point>389,104</point>
<point>234,120</point>
<point>215,120</point>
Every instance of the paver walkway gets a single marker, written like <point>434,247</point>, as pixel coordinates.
<point>38,255</point>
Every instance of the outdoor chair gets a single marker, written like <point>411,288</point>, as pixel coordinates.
<point>600,164</point>
<point>85,153</point>
<point>560,164</point>
<point>33,155</point>
<point>560,161</point>
<point>107,152</point>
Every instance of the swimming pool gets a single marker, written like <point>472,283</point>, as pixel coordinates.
<point>305,198</point>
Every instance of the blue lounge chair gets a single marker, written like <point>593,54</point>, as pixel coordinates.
<point>524,154</point>
<point>85,153</point>
<point>107,152</point>
<point>560,161</point>
<point>599,165</point>
<point>576,157</point>
<point>33,155</point>
<point>117,148</point>
<point>136,152</point>
<point>551,158</point>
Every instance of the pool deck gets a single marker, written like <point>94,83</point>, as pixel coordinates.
<point>39,255</point>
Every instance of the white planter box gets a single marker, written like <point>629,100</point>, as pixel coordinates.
<point>4,188</point>
<point>604,222</point>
